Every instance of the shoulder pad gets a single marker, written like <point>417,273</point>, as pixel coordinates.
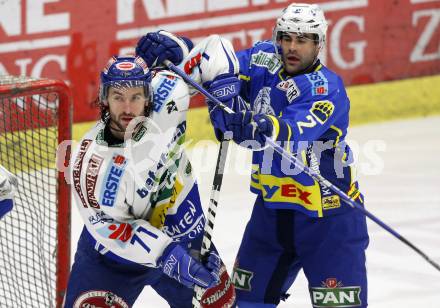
<point>263,43</point>
<point>170,92</point>
<point>264,56</point>
<point>164,83</point>
<point>93,131</point>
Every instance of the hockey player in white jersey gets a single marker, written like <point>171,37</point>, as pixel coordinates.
<point>8,187</point>
<point>134,188</point>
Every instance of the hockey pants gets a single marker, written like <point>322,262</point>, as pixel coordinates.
<point>99,280</point>
<point>278,243</point>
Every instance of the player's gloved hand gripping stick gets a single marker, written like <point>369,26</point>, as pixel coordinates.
<point>215,192</point>
<point>178,264</point>
<point>319,178</point>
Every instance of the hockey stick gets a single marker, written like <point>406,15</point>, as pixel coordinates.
<point>212,209</point>
<point>316,176</point>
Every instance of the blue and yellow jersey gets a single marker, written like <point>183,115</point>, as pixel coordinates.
<point>310,117</point>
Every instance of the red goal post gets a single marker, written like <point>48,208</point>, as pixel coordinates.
<point>35,116</point>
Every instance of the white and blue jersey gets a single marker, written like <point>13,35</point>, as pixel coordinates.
<point>135,198</point>
<point>138,196</point>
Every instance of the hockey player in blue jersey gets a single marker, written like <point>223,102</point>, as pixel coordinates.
<point>8,187</point>
<point>138,198</point>
<point>296,222</point>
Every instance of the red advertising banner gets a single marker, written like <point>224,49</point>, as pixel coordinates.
<point>368,40</point>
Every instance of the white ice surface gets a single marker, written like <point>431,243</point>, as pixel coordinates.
<point>399,173</point>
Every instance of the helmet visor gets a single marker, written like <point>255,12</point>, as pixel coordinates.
<point>123,85</point>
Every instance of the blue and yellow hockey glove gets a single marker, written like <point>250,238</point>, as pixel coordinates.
<point>249,130</point>
<point>225,88</point>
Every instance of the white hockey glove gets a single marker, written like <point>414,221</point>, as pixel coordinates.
<point>210,58</point>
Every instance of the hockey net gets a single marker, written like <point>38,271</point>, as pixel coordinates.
<point>35,116</point>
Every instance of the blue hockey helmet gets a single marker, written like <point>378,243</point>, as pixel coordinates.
<point>125,72</point>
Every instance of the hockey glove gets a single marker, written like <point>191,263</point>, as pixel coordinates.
<point>156,47</point>
<point>249,130</point>
<point>178,264</point>
<point>8,187</point>
<point>5,206</point>
<point>225,88</point>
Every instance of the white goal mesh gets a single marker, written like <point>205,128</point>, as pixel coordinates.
<point>34,236</point>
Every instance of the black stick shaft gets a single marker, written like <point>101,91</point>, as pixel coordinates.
<point>212,210</point>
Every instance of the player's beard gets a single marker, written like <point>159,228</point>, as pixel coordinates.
<point>295,64</point>
<point>119,126</point>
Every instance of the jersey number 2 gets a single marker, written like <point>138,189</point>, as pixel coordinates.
<point>311,122</point>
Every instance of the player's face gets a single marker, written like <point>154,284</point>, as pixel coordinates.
<point>125,104</point>
<point>298,51</point>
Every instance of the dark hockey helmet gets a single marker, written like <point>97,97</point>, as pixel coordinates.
<point>125,72</point>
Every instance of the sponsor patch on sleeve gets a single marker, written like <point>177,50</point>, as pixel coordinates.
<point>270,61</point>
<point>163,91</point>
<point>319,83</point>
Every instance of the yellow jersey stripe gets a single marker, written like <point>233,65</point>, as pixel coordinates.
<point>244,77</point>
<point>276,126</point>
